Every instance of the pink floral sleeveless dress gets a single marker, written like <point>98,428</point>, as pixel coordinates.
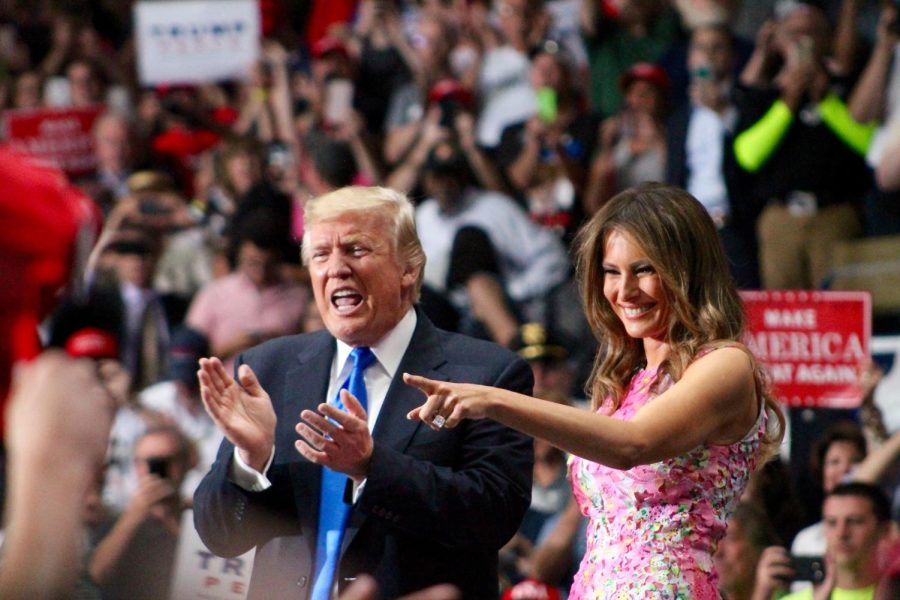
<point>654,528</point>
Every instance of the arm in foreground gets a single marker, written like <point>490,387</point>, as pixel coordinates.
<point>54,448</point>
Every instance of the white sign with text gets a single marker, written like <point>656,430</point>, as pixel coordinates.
<point>196,41</point>
<point>201,575</point>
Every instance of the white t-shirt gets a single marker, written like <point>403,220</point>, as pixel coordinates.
<point>531,258</point>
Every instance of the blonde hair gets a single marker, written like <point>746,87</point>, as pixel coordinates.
<point>393,206</point>
<point>705,311</point>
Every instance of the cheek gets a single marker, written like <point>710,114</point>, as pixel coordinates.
<point>609,290</point>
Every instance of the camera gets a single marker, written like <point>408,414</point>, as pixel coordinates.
<point>808,568</point>
<point>158,467</point>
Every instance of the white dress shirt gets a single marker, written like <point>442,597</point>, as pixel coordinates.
<point>388,354</point>
<point>705,146</point>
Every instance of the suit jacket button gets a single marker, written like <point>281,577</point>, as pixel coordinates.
<point>302,581</point>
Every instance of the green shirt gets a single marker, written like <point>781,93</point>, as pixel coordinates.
<point>614,50</point>
<point>866,593</point>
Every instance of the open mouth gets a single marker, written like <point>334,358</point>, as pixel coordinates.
<point>636,311</point>
<point>346,300</point>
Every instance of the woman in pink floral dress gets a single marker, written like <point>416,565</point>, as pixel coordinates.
<point>682,415</point>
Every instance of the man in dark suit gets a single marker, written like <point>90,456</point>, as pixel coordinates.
<point>699,158</point>
<point>426,505</point>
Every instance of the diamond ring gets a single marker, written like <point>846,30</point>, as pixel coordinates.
<point>438,421</point>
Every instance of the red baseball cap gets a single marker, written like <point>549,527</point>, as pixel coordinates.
<point>327,45</point>
<point>645,71</point>
<point>531,589</point>
<point>450,89</point>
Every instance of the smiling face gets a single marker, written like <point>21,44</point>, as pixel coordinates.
<point>840,458</point>
<point>361,289</point>
<point>633,288</point>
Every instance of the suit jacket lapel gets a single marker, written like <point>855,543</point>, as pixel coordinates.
<point>307,379</point>
<point>306,386</point>
<point>423,356</point>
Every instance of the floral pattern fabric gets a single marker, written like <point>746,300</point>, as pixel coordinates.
<point>654,528</point>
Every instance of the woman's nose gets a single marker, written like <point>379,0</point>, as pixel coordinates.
<point>627,286</point>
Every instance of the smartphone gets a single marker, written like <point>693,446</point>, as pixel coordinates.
<point>702,72</point>
<point>158,467</point>
<point>338,100</point>
<point>279,156</point>
<point>804,50</point>
<point>546,104</point>
<point>449,110</point>
<point>808,568</point>
<point>57,92</point>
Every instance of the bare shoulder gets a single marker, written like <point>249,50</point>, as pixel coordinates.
<point>727,380</point>
<point>731,359</point>
<point>724,376</point>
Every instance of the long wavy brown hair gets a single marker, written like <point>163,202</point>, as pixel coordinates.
<point>705,311</point>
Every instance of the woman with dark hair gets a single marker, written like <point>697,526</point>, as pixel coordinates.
<point>681,411</point>
<point>834,455</point>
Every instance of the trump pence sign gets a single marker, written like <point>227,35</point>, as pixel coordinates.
<point>196,41</point>
<point>813,342</point>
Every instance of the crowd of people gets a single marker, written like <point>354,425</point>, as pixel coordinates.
<point>392,170</point>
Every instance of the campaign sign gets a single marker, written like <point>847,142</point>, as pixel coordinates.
<point>886,354</point>
<point>199,574</point>
<point>196,41</point>
<point>813,342</point>
<point>59,136</point>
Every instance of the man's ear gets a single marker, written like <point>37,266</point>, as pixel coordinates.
<point>410,275</point>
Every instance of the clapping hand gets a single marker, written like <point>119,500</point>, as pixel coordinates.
<point>242,411</point>
<point>337,439</point>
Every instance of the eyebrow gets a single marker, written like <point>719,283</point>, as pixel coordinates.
<point>635,264</point>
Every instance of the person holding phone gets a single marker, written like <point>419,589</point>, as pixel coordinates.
<point>632,144</point>
<point>135,559</point>
<point>857,520</point>
<point>698,156</point>
<point>798,150</point>
<point>546,157</point>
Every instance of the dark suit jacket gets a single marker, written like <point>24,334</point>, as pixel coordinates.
<point>739,235</point>
<point>744,208</point>
<point>437,505</point>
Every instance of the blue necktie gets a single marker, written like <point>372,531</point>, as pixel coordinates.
<point>333,511</point>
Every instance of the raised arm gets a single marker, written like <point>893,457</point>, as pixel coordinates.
<point>867,100</point>
<point>845,38</point>
<point>879,461</point>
